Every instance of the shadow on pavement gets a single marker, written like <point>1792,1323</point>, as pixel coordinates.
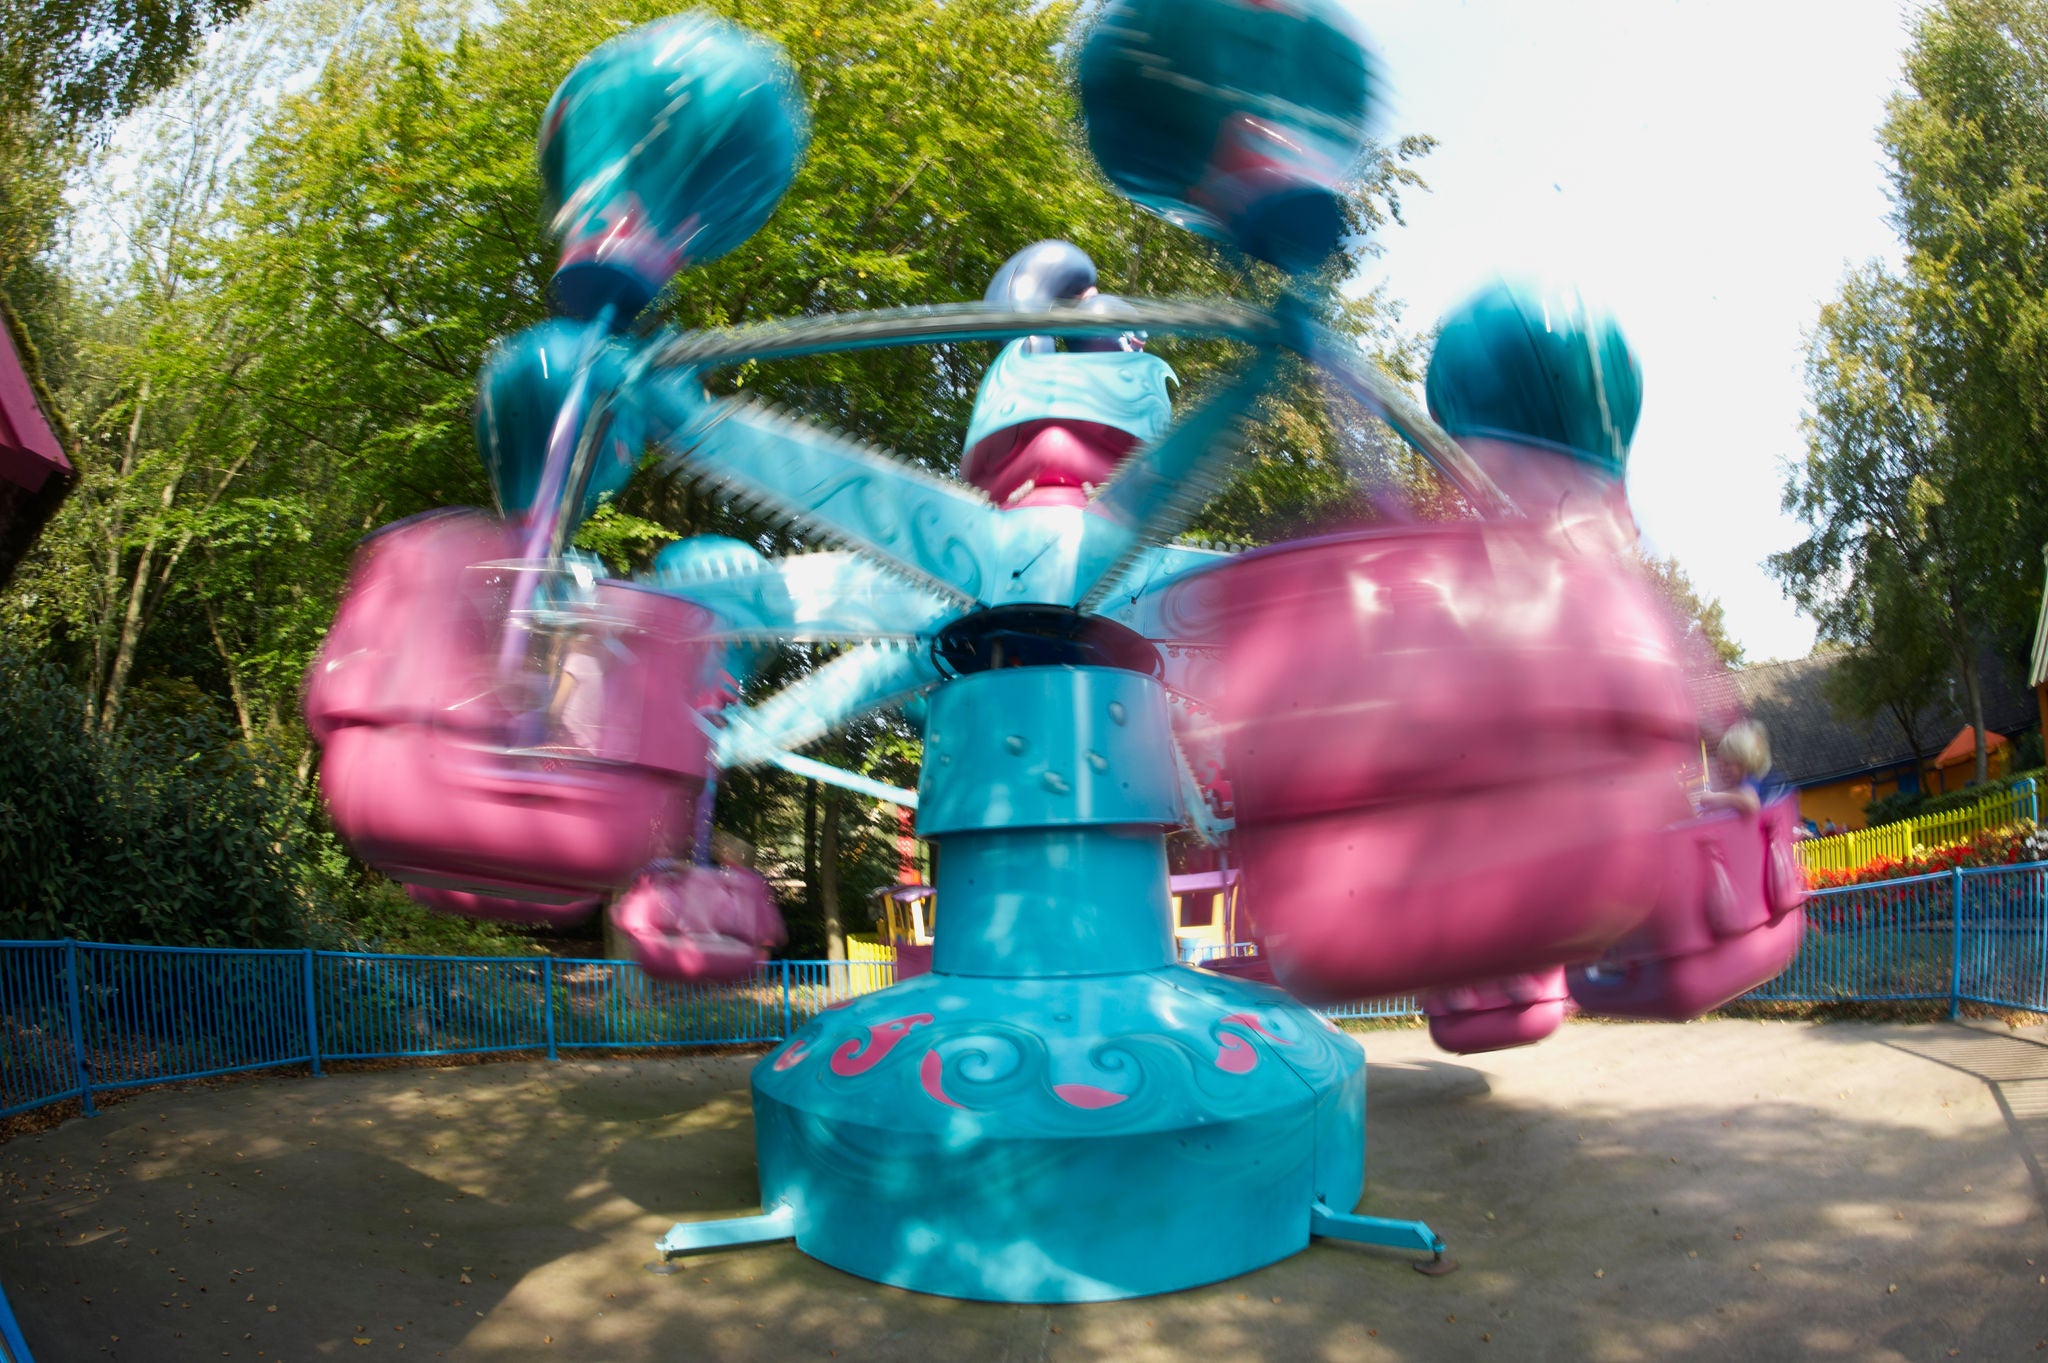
<point>1714,1191</point>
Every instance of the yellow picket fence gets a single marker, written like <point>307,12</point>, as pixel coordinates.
<point>869,946</point>
<point>1846,851</point>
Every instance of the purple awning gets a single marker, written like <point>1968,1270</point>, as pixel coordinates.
<point>29,452</point>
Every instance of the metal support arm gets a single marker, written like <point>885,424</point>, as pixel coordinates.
<point>1373,1230</point>
<point>855,683</point>
<point>926,528</point>
<point>691,1237</point>
<point>1161,488</point>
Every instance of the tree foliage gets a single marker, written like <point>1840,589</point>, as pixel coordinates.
<point>1895,559</point>
<point>1929,387</point>
<point>276,349</point>
<point>1969,142</point>
<point>68,68</point>
<point>1702,617</point>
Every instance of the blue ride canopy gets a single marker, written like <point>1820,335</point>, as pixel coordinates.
<point>1122,389</point>
<point>1539,368</point>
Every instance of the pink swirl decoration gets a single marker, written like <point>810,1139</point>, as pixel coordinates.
<point>1087,1096</point>
<point>1238,1056</point>
<point>1246,1020</point>
<point>850,1059</point>
<point>931,1072</point>
<point>790,1056</point>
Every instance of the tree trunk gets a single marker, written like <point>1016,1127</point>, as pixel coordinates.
<point>810,844</point>
<point>143,600</point>
<point>227,661</point>
<point>828,875</point>
<point>111,585</point>
<point>131,634</point>
<point>1904,718</point>
<point>1974,689</point>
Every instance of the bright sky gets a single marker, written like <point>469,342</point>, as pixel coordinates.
<point>1707,169</point>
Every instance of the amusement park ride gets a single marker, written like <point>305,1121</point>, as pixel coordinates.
<point>511,732</point>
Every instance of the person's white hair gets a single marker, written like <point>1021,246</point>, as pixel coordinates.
<point>1747,748</point>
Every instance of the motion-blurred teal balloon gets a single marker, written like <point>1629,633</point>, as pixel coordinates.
<point>1236,119</point>
<point>523,386</point>
<point>1537,367</point>
<point>668,145</point>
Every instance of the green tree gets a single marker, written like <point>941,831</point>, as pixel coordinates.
<point>384,230</point>
<point>1968,137</point>
<point>1890,558</point>
<point>1893,661</point>
<point>68,69</point>
<point>1702,616</point>
<point>287,358</point>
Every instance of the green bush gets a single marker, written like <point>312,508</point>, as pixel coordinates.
<point>1900,804</point>
<point>171,832</point>
<point>166,831</point>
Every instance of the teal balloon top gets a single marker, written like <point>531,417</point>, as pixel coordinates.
<point>1235,119</point>
<point>668,145</point>
<point>1537,368</point>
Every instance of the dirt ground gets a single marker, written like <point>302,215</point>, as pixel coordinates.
<point>1723,1190</point>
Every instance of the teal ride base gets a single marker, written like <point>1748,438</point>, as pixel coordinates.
<point>1058,1112</point>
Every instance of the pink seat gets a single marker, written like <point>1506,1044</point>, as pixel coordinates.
<point>414,625</point>
<point>421,772</point>
<point>1453,751</point>
<point>1498,1014</point>
<point>693,923</point>
<point>1729,920</point>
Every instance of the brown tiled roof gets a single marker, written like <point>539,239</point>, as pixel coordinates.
<point>1811,743</point>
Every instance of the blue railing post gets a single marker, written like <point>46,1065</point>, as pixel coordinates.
<point>1955,977</point>
<point>547,993</point>
<point>2033,795</point>
<point>12,1346</point>
<point>788,1027</point>
<point>312,1016</point>
<point>77,1017</point>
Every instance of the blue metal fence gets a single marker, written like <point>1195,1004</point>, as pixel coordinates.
<point>13,1348</point>
<point>80,1018</point>
<point>371,1007</point>
<point>2001,953</point>
<point>1892,941</point>
<point>77,1018</point>
<point>40,1059</point>
<point>149,1011</point>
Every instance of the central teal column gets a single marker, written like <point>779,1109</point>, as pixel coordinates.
<point>1056,1112</point>
<point>1041,786</point>
<point>1070,901</point>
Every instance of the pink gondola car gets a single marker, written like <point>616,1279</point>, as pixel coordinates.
<point>445,773</point>
<point>1498,1014</point>
<point>1454,752</point>
<point>699,922</point>
<point>1730,919</point>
